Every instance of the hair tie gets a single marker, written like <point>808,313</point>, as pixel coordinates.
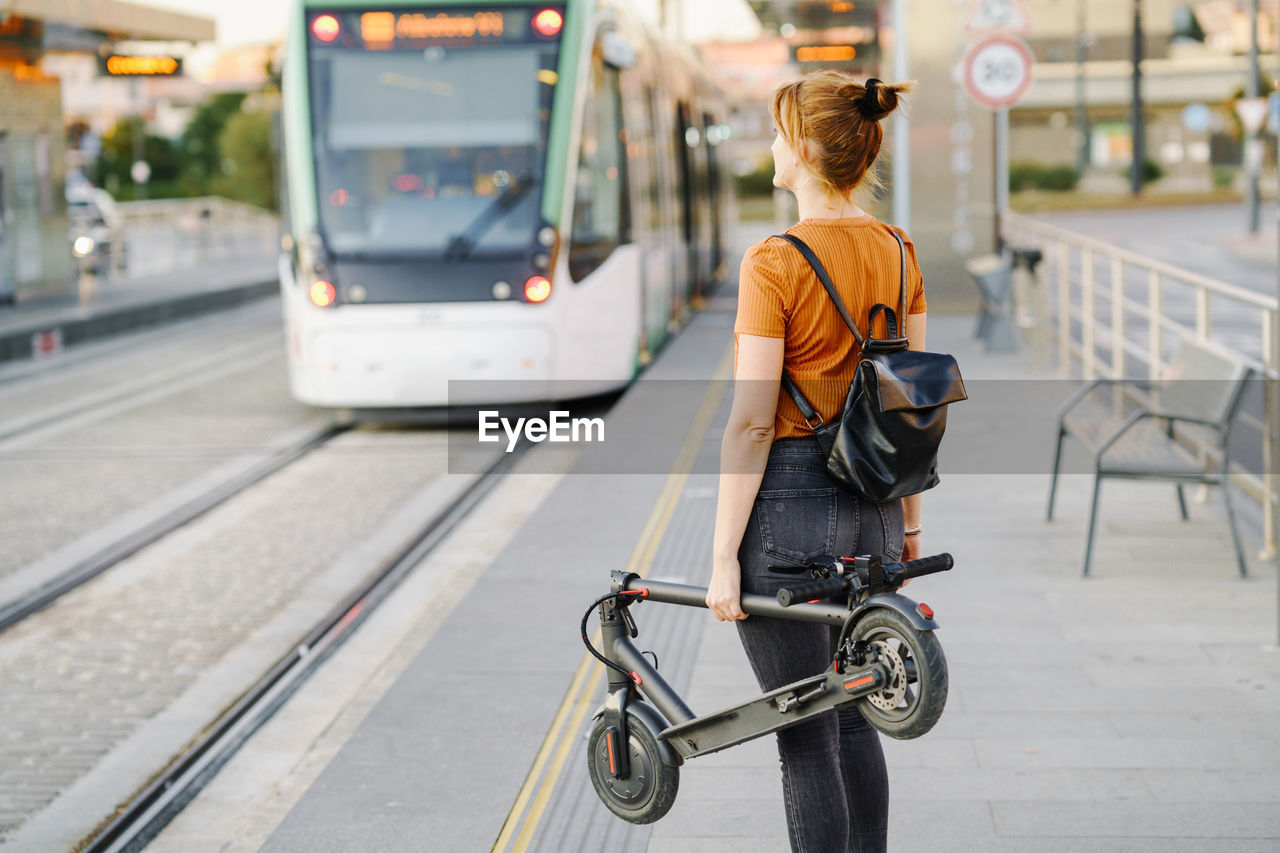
<point>870,101</point>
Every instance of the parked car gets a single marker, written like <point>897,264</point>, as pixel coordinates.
<point>97,228</point>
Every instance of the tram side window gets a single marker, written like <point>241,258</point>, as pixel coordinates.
<point>601,208</point>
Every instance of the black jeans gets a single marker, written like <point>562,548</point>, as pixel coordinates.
<point>834,782</point>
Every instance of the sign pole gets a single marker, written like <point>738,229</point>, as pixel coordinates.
<point>1002,173</point>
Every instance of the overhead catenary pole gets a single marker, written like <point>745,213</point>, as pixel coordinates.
<point>1252,146</point>
<point>901,132</point>
<point>1273,384</point>
<point>1139,130</point>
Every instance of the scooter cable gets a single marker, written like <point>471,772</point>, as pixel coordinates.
<point>586,641</point>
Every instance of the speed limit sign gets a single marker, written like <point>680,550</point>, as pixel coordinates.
<point>997,70</point>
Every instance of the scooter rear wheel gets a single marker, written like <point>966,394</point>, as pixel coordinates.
<point>650,788</point>
<point>911,703</point>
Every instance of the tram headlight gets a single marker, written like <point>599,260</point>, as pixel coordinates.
<point>548,22</point>
<point>326,28</point>
<point>83,246</point>
<point>323,293</point>
<point>537,288</point>
<point>312,270</point>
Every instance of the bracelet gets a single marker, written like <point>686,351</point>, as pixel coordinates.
<point>914,531</point>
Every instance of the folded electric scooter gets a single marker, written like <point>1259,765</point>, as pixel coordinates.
<point>887,659</point>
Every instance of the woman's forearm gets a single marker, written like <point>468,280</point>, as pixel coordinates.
<point>743,454</point>
<point>912,507</point>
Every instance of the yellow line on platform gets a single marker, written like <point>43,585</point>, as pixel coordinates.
<point>577,699</point>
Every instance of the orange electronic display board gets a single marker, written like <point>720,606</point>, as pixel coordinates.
<point>140,66</point>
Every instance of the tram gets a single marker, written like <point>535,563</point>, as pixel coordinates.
<point>522,192</point>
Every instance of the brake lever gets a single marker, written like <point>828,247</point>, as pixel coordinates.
<point>630,621</point>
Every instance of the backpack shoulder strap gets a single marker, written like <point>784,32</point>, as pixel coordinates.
<point>810,414</point>
<point>827,284</point>
<point>896,321</point>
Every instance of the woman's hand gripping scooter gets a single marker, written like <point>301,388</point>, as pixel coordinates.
<point>887,659</point>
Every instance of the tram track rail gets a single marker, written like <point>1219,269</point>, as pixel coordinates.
<point>137,822</point>
<point>45,594</point>
<point>19,431</point>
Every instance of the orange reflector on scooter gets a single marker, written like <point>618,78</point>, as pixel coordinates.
<point>924,610</point>
<point>858,682</point>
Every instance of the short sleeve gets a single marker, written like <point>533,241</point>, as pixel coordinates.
<point>915,301</point>
<point>762,290</point>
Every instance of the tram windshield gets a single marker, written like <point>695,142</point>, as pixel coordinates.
<point>430,128</point>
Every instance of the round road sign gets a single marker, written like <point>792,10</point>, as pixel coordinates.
<point>997,70</point>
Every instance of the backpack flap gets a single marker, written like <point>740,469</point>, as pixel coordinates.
<point>911,379</point>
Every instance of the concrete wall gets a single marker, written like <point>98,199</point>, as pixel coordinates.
<point>35,259</point>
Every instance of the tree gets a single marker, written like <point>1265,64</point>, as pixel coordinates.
<point>119,150</point>
<point>248,162</point>
<point>202,160</point>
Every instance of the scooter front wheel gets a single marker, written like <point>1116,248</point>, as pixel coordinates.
<point>912,701</point>
<point>649,790</point>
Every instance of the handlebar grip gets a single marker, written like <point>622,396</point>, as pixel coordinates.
<point>805,592</point>
<point>923,566</point>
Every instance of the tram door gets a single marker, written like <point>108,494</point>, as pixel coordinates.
<point>7,286</point>
<point>711,134</point>
<point>686,141</point>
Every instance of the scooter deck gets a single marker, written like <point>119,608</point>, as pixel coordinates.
<point>778,709</point>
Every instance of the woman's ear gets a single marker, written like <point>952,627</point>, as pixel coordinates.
<point>804,152</point>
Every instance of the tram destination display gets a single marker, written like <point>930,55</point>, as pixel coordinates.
<point>393,29</point>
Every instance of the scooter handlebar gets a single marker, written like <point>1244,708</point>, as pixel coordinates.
<point>918,568</point>
<point>895,574</point>
<point>812,591</point>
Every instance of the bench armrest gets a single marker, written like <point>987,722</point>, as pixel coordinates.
<point>1191,419</point>
<point>1076,398</point>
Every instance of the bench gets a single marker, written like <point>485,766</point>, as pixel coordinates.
<point>1200,392</point>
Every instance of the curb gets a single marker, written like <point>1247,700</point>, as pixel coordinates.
<point>19,343</point>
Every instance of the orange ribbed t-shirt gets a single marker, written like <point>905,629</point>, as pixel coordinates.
<point>779,296</point>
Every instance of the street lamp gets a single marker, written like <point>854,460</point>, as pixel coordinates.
<point>1082,115</point>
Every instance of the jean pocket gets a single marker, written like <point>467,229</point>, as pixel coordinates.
<point>797,525</point>
<point>894,532</point>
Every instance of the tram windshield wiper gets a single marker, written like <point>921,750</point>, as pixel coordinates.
<point>462,245</point>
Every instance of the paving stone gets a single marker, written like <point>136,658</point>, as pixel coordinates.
<point>195,596</point>
<point>1145,819</point>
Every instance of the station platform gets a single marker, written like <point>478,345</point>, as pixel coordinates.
<point>1131,711</point>
<point>102,308</point>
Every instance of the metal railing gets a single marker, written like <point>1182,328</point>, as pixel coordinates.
<point>1106,311</point>
<point>164,235</point>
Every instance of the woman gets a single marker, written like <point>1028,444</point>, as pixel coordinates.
<point>776,504</point>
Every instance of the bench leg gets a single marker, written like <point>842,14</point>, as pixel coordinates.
<point>1093,518</point>
<point>1231,522</point>
<point>1182,503</point>
<point>1053,478</point>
